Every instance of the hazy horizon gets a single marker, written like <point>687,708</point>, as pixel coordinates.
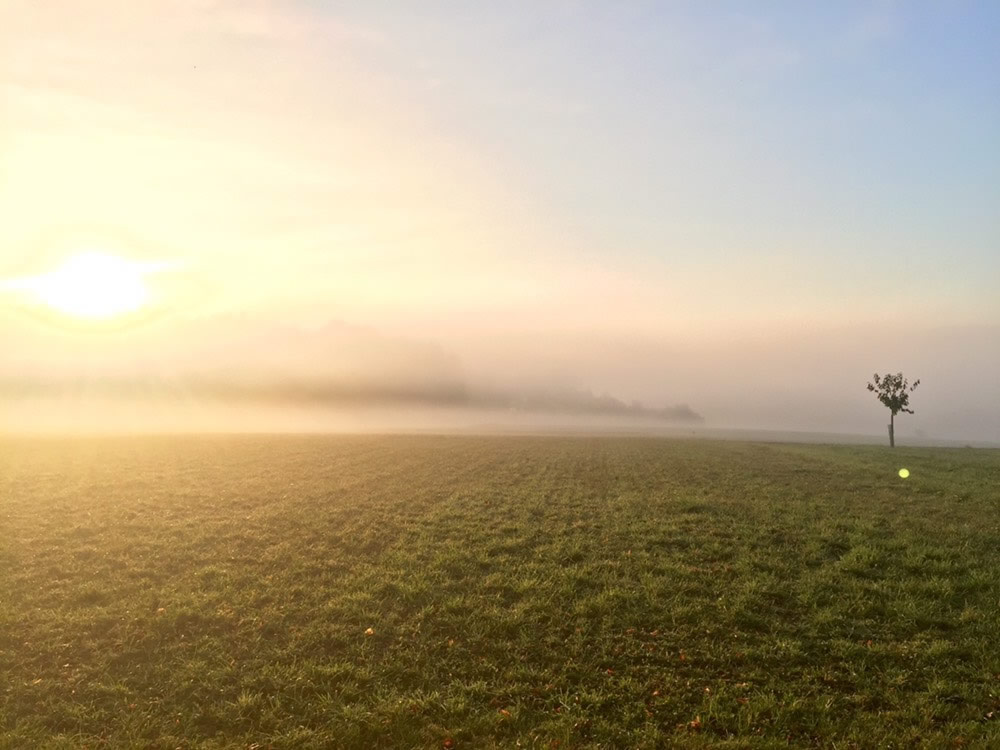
<point>682,213</point>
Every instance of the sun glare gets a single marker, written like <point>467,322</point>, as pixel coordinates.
<point>91,285</point>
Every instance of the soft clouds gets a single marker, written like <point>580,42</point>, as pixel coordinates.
<point>664,202</point>
<point>880,22</point>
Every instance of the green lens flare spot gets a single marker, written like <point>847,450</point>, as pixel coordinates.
<point>904,473</point>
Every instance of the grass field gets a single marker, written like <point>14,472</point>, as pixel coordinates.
<point>359,592</point>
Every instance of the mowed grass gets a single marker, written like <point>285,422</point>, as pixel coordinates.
<point>438,592</point>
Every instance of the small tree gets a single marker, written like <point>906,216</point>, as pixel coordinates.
<point>893,391</point>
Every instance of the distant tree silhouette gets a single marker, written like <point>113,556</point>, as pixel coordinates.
<point>893,391</point>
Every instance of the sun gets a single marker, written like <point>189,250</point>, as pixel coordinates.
<point>92,286</point>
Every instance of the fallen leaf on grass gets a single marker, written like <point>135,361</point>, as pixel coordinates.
<point>448,743</point>
<point>505,712</point>
<point>696,724</point>
<point>370,631</point>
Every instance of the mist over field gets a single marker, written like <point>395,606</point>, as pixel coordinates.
<point>242,373</point>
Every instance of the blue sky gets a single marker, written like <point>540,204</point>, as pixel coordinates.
<point>637,126</point>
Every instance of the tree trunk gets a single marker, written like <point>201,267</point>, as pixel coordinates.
<point>892,429</point>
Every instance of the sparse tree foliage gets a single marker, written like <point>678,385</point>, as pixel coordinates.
<point>893,391</point>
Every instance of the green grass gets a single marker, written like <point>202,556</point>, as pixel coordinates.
<point>551,592</point>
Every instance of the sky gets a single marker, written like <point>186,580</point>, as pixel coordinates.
<point>746,208</point>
